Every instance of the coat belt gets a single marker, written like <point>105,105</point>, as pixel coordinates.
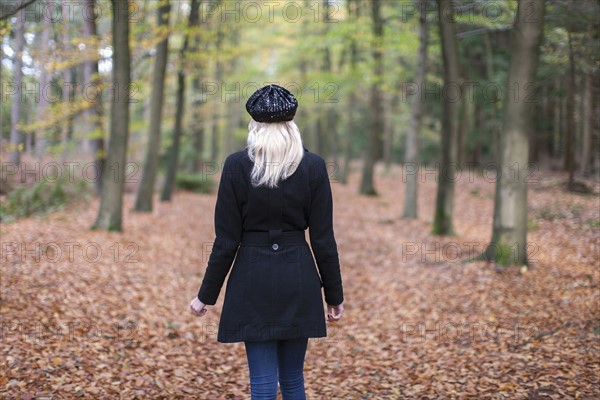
<point>266,238</point>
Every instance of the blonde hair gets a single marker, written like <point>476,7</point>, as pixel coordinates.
<point>276,149</point>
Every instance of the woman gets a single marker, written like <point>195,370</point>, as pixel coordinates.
<point>268,195</point>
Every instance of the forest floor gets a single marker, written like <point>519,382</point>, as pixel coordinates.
<point>96,315</point>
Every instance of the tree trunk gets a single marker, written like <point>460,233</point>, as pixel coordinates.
<point>16,136</point>
<point>536,134</point>
<point>478,128</point>
<point>67,87</point>
<point>376,105</point>
<point>591,146</point>
<point>412,137</point>
<point>113,176</point>
<point>41,139</point>
<point>509,238</point>
<point>198,100</point>
<point>325,123</point>
<point>558,103</point>
<point>348,139</point>
<point>587,123</point>
<point>198,124</point>
<point>353,11</point>
<point>489,67</point>
<point>218,107</point>
<point>146,188</point>
<point>95,114</point>
<point>464,122</point>
<point>464,109</point>
<point>230,100</point>
<point>442,224</point>
<point>569,164</point>
<point>549,106</point>
<point>173,160</point>
<point>388,131</point>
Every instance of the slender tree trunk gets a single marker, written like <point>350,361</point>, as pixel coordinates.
<point>41,139</point>
<point>489,67</point>
<point>173,160</point>
<point>113,176</point>
<point>95,113</point>
<point>67,87</point>
<point>230,100</point>
<point>595,122</point>
<point>198,101</point>
<point>569,164</point>
<point>464,122</point>
<point>16,136</point>
<point>549,106</point>
<point>146,188</point>
<point>216,119</point>
<point>558,102</point>
<point>198,125</point>
<point>348,139</point>
<point>478,127</point>
<point>464,108</point>
<point>388,131</point>
<point>591,137</point>
<point>412,138</point>
<point>587,123</point>
<point>376,104</point>
<point>509,238</point>
<point>29,137</point>
<point>352,7</point>
<point>442,224</point>
<point>325,122</point>
<point>537,133</point>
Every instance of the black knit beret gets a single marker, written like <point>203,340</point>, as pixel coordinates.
<point>272,103</point>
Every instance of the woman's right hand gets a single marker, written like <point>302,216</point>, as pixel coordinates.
<point>197,307</point>
<point>334,313</point>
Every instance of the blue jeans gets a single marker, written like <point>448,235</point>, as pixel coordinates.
<point>270,361</point>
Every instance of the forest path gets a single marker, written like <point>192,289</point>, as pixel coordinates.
<point>105,315</point>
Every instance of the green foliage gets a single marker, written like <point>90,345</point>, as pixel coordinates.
<point>549,214</point>
<point>197,183</point>
<point>504,254</point>
<point>42,197</point>
<point>593,223</point>
<point>532,225</point>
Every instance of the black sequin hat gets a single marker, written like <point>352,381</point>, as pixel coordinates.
<point>272,103</point>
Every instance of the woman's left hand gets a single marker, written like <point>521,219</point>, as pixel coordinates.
<point>197,307</point>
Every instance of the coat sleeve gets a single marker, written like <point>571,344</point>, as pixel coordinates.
<point>322,238</point>
<point>228,231</point>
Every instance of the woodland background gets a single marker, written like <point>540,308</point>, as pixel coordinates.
<point>463,141</point>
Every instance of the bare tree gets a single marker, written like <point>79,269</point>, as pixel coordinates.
<point>412,138</point>
<point>16,136</point>
<point>95,113</point>
<point>146,188</point>
<point>113,174</point>
<point>376,104</point>
<point>173,156</point>
<point>509,238</point>
<point>442,224</point>
<point>41,139</point>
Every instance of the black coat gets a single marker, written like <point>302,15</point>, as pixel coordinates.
<point>274,289</point>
